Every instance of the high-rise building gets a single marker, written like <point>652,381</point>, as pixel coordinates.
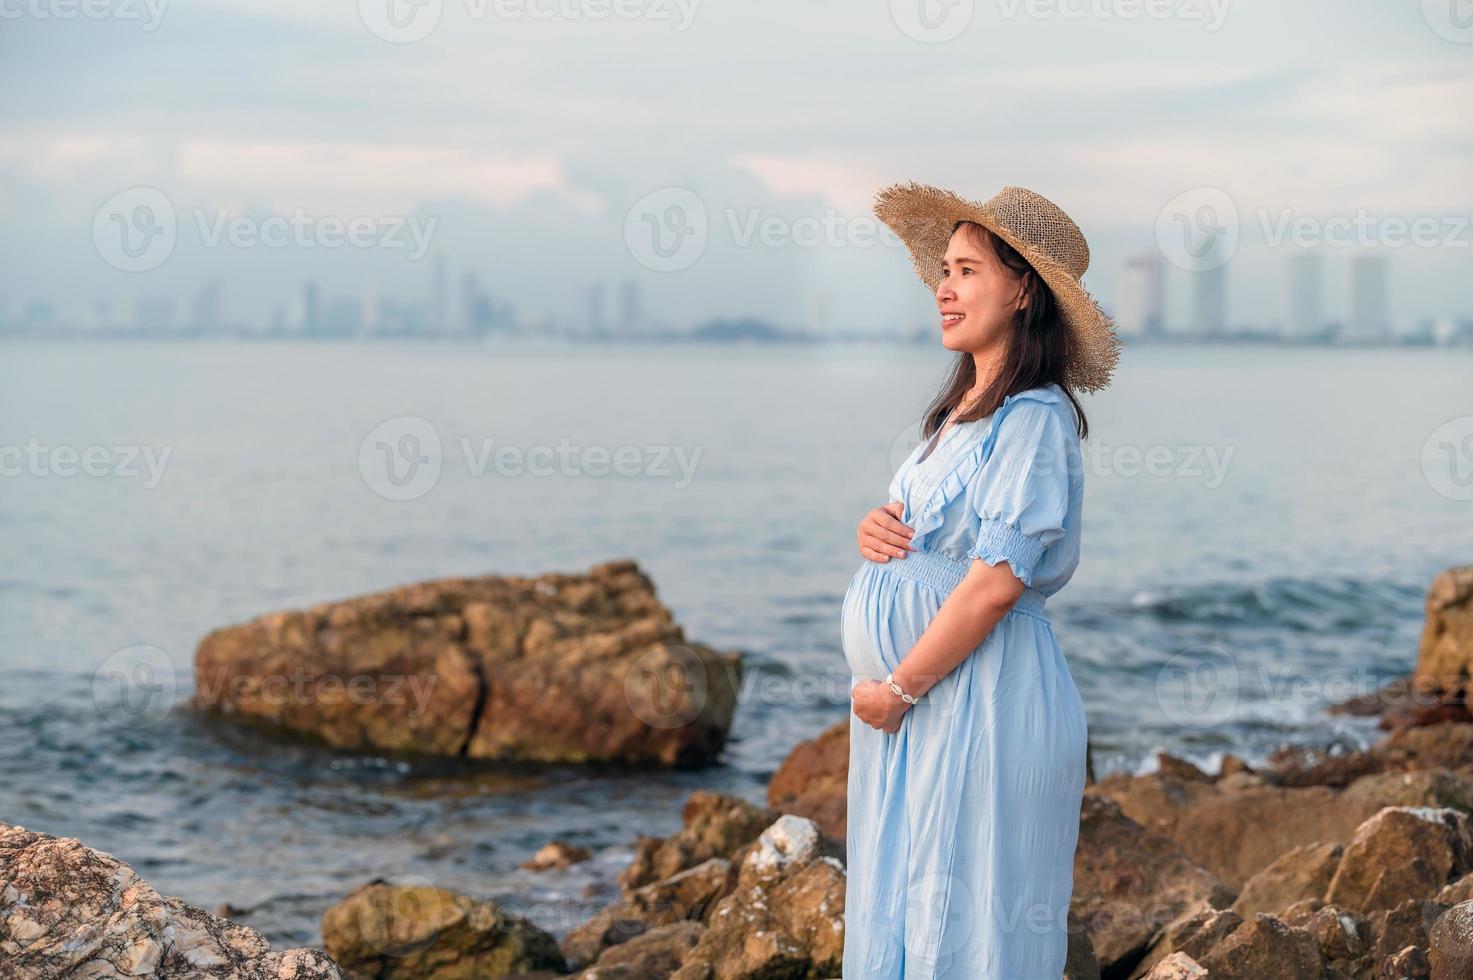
<point>440,298</point>
<point>1304,314</point>
<point>1209,301</point>
<point>204,315</point>
<point>816,317</point>
<point>629,308</point>
<point>311,321</point>
<point>597,324</point>
<point>1366,318</point>
<point>1142,290</point>
<point>153,313</point>
<point>471,320</point>
<point>368,312</point>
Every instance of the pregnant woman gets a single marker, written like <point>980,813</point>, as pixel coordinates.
<point>967,735</point>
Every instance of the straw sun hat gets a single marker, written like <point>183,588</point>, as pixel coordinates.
<point>923,216</point>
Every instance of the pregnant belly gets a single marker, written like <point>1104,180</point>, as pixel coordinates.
<point>883,616</point>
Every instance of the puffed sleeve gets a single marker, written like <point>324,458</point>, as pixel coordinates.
<point>1021,493</point>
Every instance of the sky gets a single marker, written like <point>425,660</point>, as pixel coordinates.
<point>724,155</point>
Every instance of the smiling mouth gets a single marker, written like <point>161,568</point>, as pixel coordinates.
<point>947,319</point>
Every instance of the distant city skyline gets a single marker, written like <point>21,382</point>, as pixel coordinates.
<point>1302,119</point>
<point>1146,279</point>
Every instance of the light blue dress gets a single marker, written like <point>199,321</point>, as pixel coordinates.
<point>963,823</point>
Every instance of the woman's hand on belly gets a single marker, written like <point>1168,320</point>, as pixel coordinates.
<point>882,536</point>
<point>878,706</point>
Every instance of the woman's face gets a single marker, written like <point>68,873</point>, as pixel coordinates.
<point>976,285</point>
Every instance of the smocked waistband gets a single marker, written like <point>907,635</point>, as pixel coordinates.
<point>941,572</point>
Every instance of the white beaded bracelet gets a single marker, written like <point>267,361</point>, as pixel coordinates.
<point>890,679</point>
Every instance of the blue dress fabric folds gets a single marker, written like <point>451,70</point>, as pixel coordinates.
<point>963,823</point>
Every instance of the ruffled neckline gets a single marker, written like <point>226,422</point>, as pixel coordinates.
<point>927,516</point>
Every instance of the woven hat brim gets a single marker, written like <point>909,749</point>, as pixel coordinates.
<point>922,216</point>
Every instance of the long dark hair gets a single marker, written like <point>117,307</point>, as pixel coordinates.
<point>1039,346</point>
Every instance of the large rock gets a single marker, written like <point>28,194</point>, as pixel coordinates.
<point>1445,657</point>
<point>1080,962</point>
<point>1451,953</point>
<point>558,668</point>
<point>1130,883</point>
<point>685,896</point>
<point>712,825</point>
<point>407,932</point>
<point>1265,947</point>
<point>1238,825</point>
<point>1194,934</point>
<point>785,917</point>
<point>68,910</point>
<point>1437,688</point>
<point>1393,930</point>
<point>813,781</point>
<point>652,955</point>
<point>1402,853</point>
<point>1178,966</point>
<point>1343,936</point>
<point>1446,746</point>
<point>1301,873</point>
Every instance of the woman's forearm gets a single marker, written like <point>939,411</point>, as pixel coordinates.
<point>974,607</point>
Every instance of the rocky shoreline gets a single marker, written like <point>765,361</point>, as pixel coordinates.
<point>1353,866</point>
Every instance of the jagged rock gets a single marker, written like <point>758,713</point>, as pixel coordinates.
<point>556,854</point>
<point>1195,934</point>
<point>1409,924</point>
<point>1444,746</point>
<point>558,668</point>
<point>1178,966</point>
<point>1434,787</point>
<point>1129,883</point>
<point>1178,768</point>
<point>1241,824</point>
<point>652,955</point>
<point>785,918</point>
<point>1436,691</point>
<point>407,932</point>
<point>1409,964</point>
<point>1301,765</point>
<point>1445,656</point>
<point>812,781</point>
<point>1402,853</point>
<point>712,825</point>
<point>1457,892</point>
<point>1342,935</point>
<point>1232,765</point>
<point>1080,963</point>
<point>1451,940</point>
<point>1301,873</point>
<point>685,896</point>
<point>1265,947</point>
<point>68,910</point>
